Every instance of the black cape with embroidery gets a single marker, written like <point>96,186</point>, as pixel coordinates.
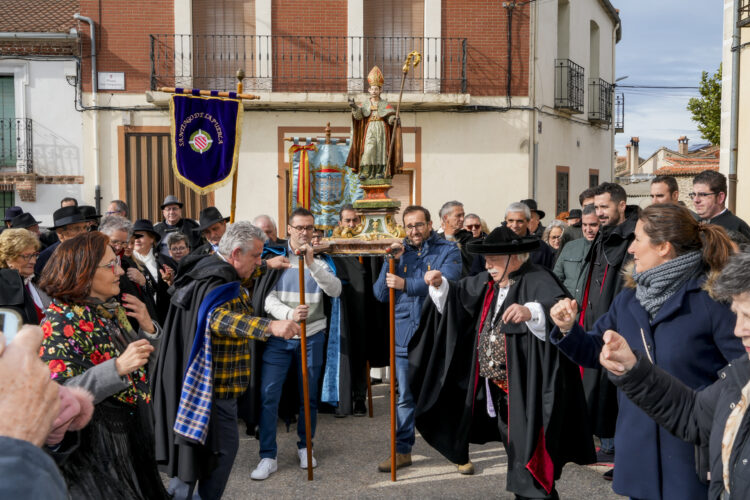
<point>545,391</point>
<point>177,457</point>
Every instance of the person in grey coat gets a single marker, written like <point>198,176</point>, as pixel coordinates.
<point>716,415</point>
<point>571,267</point>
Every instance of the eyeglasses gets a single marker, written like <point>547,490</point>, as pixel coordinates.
<point>112,212</point>
<point>117,243</point>
<point>28,256</point>
<point>302,229</point>
<point>418,226</point>
<point>178,249</point>
<point>471,227</point>
<point>112,265</point>
<point>700,195</point>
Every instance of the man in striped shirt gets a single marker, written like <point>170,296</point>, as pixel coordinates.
<point>283,303</point>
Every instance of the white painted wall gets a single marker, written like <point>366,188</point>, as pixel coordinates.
<point>43,94</point>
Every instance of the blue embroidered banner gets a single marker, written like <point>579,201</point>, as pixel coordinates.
<point>321,181</point>
<point>205,140</point>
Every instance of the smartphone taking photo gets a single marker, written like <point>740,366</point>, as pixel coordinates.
<point>10,323</point>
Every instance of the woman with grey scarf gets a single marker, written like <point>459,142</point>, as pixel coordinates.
<point>666,314</point>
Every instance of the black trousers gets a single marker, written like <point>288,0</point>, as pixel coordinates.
<point>519,479</point>
<point>224,415</point>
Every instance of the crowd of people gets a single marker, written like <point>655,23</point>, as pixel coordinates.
<point>614,335</point>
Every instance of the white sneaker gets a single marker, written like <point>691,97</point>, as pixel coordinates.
<point>265,468</point>
<point>302,454</point>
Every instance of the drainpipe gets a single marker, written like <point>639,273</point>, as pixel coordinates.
<point>734,113</point>
<point>613,157</point>
<point>95,119</point>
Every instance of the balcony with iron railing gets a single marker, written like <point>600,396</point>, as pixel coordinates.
<point>569,85</point>
<point>743,18</point>
<point>285,63</point>
<point>600,101</point>
<point>16,146</point>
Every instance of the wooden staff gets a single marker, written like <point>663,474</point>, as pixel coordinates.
<point>416,56</point>
<point>305,384</point>
<point>392,318</point>
<point>233,205</point>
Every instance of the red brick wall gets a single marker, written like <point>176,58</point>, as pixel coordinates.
<point>122,32</point>
<point>309,64</point>
<point>484,23</point>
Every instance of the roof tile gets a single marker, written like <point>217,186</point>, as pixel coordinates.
<point>34,16</point>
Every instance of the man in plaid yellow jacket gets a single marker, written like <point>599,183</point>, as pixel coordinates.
<point>203,411</point>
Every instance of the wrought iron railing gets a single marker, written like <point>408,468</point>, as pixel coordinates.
<point>600,101</point>
<point>743,18</point>
<point>568,86</point>
<point>286,63</point>
<point>16,145</point>
<point>619,113</point>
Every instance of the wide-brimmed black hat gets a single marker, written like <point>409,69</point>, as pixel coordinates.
<point>24,221</point>
<point>171,200</point>
<point>89,212</point>
<point>65,216</point>
<point>532,206</point>
<point>147,226</point>
<point>574,214</point>
<point>11,212</point>
<point>503,241</point>
<point>210,216</point>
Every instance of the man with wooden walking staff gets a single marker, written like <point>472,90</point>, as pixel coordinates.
<point>288,297</point>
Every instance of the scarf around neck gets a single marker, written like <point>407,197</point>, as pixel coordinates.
<point>656,285</point>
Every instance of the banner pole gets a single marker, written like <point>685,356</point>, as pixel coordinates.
<point>305,383</point>
<point>392,324</point>
<point>233,206</point>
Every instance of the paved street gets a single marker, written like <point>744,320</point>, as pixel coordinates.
<point>348,450</point>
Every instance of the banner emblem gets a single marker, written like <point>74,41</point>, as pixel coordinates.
<point>200,141</point>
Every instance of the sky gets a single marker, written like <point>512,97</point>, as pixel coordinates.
<point>664,42</point>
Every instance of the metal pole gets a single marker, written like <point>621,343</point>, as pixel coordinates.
<point>305,384</point>
<point>734,111</point>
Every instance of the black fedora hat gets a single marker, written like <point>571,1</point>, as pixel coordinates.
<point>24,221</point>
<point>89,212</point>
<point>65,216</point>
<point>171,200</point>
<point>532,206</point>
<point>503,241</point>
<point>11,212</point>
<point>574,214</point>
<point>210,216</point>
<point>146,226</point>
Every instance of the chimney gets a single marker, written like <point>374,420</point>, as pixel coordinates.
<point>635,163</point>
<point>628,160</point>
<point>682,145</point>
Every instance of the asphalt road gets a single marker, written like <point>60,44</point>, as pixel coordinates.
<point>349,449</point>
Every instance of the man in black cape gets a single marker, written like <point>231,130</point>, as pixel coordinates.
<point>530,383</point>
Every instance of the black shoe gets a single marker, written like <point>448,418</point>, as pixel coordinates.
<point>609,474</point>
<point>376,381</point>
<point>339,413</point>
<point>605,457</point>
<point>360,409</point>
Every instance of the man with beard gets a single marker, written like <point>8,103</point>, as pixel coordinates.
<point>570,268</point>
<point>604,280</point>
<point>212,227</point>
<point>480,359</point>
<point>204,363</point>
<point>421,251</point>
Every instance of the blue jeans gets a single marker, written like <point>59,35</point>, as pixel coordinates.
<point>277,357</point>
<point>405,407</point>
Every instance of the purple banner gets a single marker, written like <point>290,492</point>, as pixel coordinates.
<point>205,140</point>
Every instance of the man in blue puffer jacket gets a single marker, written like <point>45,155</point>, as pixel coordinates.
<point>422,250</point>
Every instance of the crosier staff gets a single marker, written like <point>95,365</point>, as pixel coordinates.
<point>303,347</point>
<point>412,60</point>
<point>392,338</point>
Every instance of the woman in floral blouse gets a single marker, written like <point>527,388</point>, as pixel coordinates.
<point>89,342</point>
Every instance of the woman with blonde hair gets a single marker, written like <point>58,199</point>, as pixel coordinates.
<point>19,249</point>
<point>665,313</point>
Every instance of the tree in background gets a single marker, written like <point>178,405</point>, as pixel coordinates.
<point>706,109</point>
